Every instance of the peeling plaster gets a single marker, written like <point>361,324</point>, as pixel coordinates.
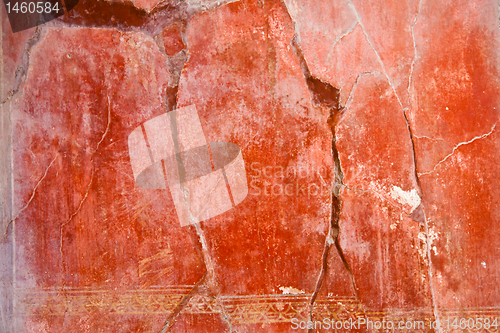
<point>410,198</point>
<point>291,290</point>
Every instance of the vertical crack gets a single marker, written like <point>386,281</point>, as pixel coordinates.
<point>421,211</point>
<point>176,57</point>
<point>207,284</point>
<point>412,141</point>
<point>325,95</point>
<point>415,55</point>
<point>175,65</point>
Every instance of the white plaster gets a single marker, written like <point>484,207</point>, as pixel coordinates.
<point>291,290</point>
<point>409,198</point>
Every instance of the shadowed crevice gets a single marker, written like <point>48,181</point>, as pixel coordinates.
<point>171,43</point>
<point>175,65</point>
<point>207,285</point>
<point>326,96</point>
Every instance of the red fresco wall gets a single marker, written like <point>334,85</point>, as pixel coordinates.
<point>366,187</point>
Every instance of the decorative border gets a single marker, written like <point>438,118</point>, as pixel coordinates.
<point>240,309</point>
<point>80,302</point>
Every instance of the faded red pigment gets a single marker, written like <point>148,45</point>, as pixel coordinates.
<point>391,107</point>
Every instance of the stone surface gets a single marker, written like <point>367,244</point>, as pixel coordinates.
<point>367,133</point>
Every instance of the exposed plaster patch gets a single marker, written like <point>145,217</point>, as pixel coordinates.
<point>428,241</point>
<point>410,198</point>
<point>291,290</point>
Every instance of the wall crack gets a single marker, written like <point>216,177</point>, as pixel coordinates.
<point>415,55</point>
<point>75,212</point>
<point>379,59</point>
<point>339,39</point>
<point>326,96</point>
<point>204,287</point>
<point>30,199</point>
<point>412,141</point>
<point>183,303</point>
<point>458,146</point>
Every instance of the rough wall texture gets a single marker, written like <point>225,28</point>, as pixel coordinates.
<point>369,135</point>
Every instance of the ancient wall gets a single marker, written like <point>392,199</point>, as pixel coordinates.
<point>249,166</point>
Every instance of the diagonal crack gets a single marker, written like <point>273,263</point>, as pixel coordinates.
<point>22,69</point>
<point>30,199</point>
<point>354,86</point>
<point>183,303</point>
<point>379,59</point>
<point>92,154</point>
<point>339,39</point>
<point>87,191</point>
<point>61,227</point>
<point>458,146</point>
<point>207,283</point>
<point>21,75</point>
<point>200,288</point>
<point>211,274</point>
<point>107,127</point>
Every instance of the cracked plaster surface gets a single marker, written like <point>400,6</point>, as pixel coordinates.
<point>387,205</point>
